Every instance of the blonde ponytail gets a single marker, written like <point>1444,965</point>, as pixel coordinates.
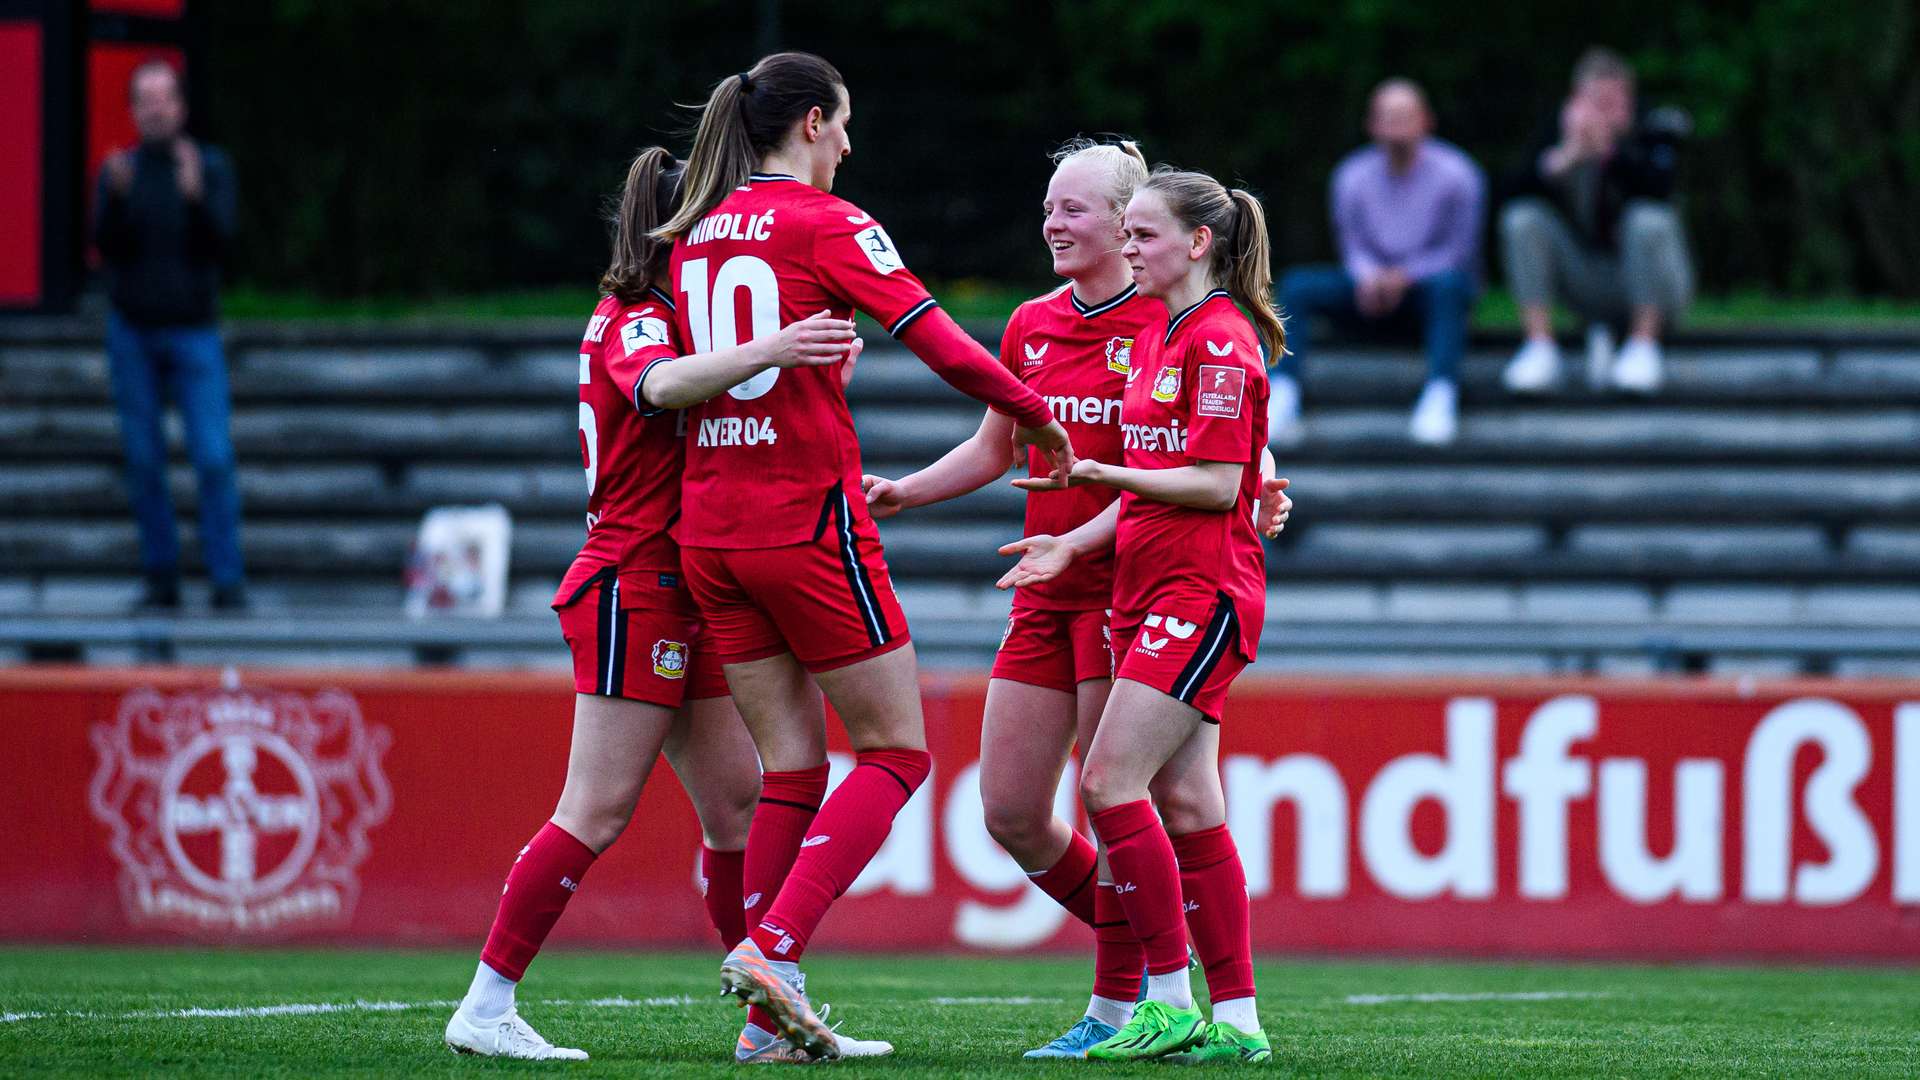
<point>1126,166</point>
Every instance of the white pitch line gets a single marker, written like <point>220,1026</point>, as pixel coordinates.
<point>993,1001</point>
<point>1527,995</point>
<point>318,1008</point>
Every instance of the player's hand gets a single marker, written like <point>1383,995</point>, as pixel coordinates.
<point>1084,471</point>
<point>1042,558</point>
<point>884,497</point>
<point>1270,517</point>
<point>1390,287</point>
<point>119,169</point>
<point>846,366</point>
<point>815,341</point>
<point>1054,443</point>
<point>187,170</point>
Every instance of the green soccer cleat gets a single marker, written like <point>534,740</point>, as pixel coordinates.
<point>1156,1030</point>
<point>1226,1044</point>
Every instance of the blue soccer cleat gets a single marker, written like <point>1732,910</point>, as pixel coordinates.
<point>1088,1032</point>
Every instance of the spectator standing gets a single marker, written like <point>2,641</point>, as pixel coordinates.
<point>164,213</point>
<point>1591,223</point>
<point>1407,212</point>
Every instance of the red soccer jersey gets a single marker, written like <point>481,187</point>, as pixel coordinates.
<point>632,452</point>
<point>764,458</point>
<point>1075,355</point>
<point>1197,392</point>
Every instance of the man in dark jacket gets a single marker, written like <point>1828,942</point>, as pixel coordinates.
<point>164,213</point>
<point>1592,224</point>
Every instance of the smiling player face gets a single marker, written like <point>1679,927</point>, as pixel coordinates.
<point>1160,253</point>
<point>1078,222</point>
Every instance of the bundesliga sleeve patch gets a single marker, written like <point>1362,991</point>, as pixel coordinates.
<point>1222,389</point>
<point>642,332</point>
<point>878,247</point>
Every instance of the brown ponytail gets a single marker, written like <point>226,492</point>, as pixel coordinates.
<point>1248,270</point>
<point>746,117</point>
<point>1242,261</point>
<point>647,197</point>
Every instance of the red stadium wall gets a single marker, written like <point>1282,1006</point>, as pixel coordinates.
<point>1517,817</point>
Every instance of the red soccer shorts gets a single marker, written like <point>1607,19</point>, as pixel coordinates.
<point>1194,661</point>
<point>656,654</point>
<point>829,602</point>
<point>1055,649</point>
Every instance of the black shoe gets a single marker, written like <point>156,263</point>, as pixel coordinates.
<point>231,599</point>
<point>161,597</point>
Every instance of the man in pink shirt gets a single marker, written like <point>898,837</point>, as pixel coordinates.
<point>1406,217</point>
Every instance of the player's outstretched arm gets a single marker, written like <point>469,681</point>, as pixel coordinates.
<point>1044,557</point>
<point>689,380</point>
<point>1204,485</point>
<point>986,455</point>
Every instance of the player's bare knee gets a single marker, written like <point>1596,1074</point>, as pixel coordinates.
<point>1103,788</point>
<point>1019,828</point>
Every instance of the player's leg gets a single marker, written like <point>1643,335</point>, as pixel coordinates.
<point>1141,729</point>
<point>1214,886</point>
<point>614,745</point>
<point>1026,735</point>
<point>710,750</point>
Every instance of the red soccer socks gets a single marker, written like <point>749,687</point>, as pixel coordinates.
<point>721,874</point>
<point>1070,880</point>
<point>1147,879</point>
<point>1215,887</point>
<point>541,882</point>
<point>844,837</point>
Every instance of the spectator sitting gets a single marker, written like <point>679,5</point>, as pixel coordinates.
<point>1591,223</point>
<point>1406,216</point>
<point>164,213</point>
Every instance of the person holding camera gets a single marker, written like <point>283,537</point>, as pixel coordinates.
<point>1591,222</point>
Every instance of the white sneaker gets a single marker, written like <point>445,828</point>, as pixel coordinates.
<point>1283,413</point>
<point>505,1036</point>
<point>1436,415</point>
<point>1599,356</point>
<point>757,1047</point>
<point>1535,369</point>
<point>1639,369</point>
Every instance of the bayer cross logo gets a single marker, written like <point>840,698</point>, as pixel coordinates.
<point>239,810</point>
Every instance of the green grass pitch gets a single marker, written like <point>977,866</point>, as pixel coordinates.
<point>96,1012</point>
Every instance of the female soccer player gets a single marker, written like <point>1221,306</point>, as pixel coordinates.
<point>1053,669</point>
<point>780,549</point>
<point>643,677</point>
<point>1189,600</point>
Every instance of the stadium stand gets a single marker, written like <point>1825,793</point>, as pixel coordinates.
<point>1761,516</point>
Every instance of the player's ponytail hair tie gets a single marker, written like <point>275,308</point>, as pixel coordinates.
<point>746,83</point>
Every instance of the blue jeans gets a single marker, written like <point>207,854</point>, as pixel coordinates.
<point>1435,307</point>
<point>186,363</point>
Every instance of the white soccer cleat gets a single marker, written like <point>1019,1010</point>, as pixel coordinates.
<point>505,1036</point>
<point>1535,369</point>
<point>756,1047</point>
<point>1284,428</point>
<point>1639,369</point>
<point>778,987</point>
<point>1436,416</point>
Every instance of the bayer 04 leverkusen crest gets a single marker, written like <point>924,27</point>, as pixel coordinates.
<point>239,812</point>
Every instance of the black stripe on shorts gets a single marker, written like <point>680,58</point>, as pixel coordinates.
<point>611,657</point>
<point>859,582</point>
<point>1222,628</point>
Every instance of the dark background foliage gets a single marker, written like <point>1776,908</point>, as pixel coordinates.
<point>412,147</point>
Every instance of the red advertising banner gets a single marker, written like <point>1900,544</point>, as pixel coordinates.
<point>1534,817</point>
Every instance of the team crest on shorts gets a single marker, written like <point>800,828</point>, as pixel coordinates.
<point>1120,355</point>
<point>670,659</point>
<point>239,811</point>
<point>1167,386</point>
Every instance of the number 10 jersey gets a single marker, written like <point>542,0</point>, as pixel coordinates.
<point>767,459</point>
